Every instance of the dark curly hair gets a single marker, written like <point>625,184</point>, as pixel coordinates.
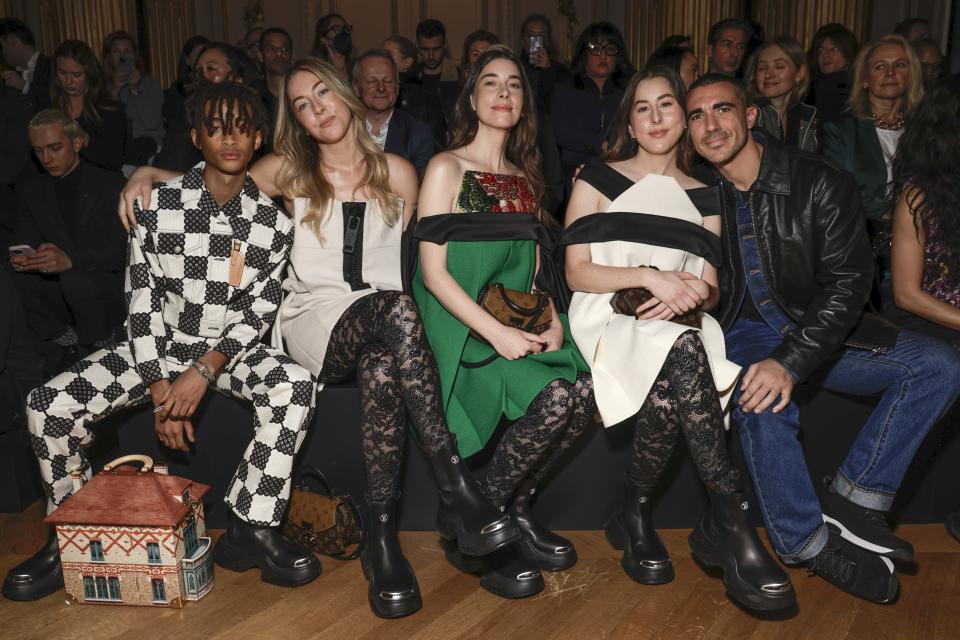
<point>245,110</point>
<point>597,32</point>
<point>925,167</point>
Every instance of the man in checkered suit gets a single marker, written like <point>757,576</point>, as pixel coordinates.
<point>203,285</point>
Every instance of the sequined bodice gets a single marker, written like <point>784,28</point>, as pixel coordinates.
<point>495,193</point>
<point>938,279</point>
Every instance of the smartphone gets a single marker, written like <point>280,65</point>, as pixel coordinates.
<point>536,44</point>
<point>126,65</point>
<point>23,250</point>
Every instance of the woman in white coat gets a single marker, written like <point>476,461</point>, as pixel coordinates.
<point>638,221</point>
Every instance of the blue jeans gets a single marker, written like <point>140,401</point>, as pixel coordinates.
<point>918,380</point>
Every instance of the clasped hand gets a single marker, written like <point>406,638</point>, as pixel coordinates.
<point>512,343</point>
<point>674,293</point>
<point>175,403</point>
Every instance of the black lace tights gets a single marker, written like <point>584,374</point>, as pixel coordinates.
<point>533,445</point>
<point>380,340</point>
<point>684,397</point>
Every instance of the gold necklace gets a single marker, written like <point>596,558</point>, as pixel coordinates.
<point>896,125</point>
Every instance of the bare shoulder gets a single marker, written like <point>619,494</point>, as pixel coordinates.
<point>400,169</point>
<point>440,184</point>
<point>444,165</point>
<point>265,172</point>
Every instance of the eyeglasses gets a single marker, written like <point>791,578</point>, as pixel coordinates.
<point>598,48</point>
<point>338,28</point>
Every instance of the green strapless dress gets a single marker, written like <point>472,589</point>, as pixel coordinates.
<point>476,398</point>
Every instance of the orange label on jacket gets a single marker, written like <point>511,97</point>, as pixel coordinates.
<point>236,265</point>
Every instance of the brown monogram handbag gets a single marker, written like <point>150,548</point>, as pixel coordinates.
<point>326,524</point>
<point>525,311</point>
<point>626,302</point>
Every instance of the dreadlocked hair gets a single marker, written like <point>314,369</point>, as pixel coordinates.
<point>237,106</point>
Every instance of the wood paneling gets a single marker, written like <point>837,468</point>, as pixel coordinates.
<point>595,599</point>
<point>86,20</point>
<point>802,18</point>
<point>169,24</point>
<point>648,22</point>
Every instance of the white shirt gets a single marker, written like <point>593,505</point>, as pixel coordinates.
<point>381,138</point>
<point>888,142</point>
<point>28,72</point>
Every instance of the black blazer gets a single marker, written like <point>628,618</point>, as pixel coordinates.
<point>39,92</point>
<point>410,138</point>
<point>99,247</point>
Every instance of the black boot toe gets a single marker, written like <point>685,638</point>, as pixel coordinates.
<point>38,576</point>
<point>393,591</point>
<point>281,561</point>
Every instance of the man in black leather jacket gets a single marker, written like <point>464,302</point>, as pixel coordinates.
<point>797,272</point>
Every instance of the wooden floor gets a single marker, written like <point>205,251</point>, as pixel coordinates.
<point>593,600</point>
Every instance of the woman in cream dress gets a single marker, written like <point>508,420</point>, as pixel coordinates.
<point>638,221</point>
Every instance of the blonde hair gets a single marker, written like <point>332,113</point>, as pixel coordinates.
<point>47,117</point>
<point>300,174</point>
<point>797,56</point>
<point>859,101</point>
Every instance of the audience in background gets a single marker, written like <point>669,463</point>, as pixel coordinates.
<point>32,71</point>
<point>473,45</point>
<point>831,51</point>
<point>913,29</point>
<point>438,80</point>
<point>677,40</point>
<point>777,80</point>
<point>931,60</point>
<point>276,49</point>
<point>538,54</point>
<point>71,278</point>
<point>887,83</point>
<point>376,80</point>
<point>251,45</point>
<point>727,45</point>
<point>680,59</point>
<point>78,88</point>
<point>16,166</point>
<point>139,92</point>
<point>583,108</point>
<point>333,41</point>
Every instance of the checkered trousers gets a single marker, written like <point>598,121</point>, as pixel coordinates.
<point>59,414</point>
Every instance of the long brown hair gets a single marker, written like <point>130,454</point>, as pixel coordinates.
<point>97,97</point>
<point>521,149</point>
<point>300,174</point>
<point>623,146</point>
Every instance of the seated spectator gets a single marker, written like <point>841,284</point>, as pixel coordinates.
<point>926,220</point>
<point>475,44</point>
<point>32,71</point>
<point>777,79</point>
<point>78,88</point>
<point>140,93</point>
<point>931,60</point>
<point>375,81</point>
<point>176,94</point>
<point>913,29</point>
<point>540,59</point>
<point>727,45</point>
<point>332,42</point>
<point>680,59</point>
<point>677,40</point>
<point>438,81</point>
<point>71,279</point>
<point>251,45</point>
<point>16,165</point>
<point>583,109</point>
<point>276,49</point>
<point>407,58</point>
<point>832,50</point>
<point>889,87</point>
<point>216,62</point>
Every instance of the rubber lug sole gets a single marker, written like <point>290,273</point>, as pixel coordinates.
<point>617,537</point>
<point>548,561</point>
<point>31,592</point>
<point>490,580</point>
<point>503,532</point>
<point>229,556</point>
<point>737,588</point>
<point>390,609</point>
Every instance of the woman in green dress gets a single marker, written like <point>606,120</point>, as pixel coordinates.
<point>539,382</point>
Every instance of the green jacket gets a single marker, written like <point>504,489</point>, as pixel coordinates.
<point>852,143</point>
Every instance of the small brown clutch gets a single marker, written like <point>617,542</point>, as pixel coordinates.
<point>529,312</point>
<point>626,301</point>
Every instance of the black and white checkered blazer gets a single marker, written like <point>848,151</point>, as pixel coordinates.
<point>181,303</point>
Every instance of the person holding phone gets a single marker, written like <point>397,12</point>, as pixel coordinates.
<point>140,93</point>
<point>539,58</point>
<point>68,250</point>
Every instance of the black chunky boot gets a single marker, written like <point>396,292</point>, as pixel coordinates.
<point>281,561</point>
<point>505,573</point>
<point>393,591</point>
<point>538,544</point>
<point>630,528</point>
<point>38,576</point>
<point>465,514</point>
<point>725,538</point>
